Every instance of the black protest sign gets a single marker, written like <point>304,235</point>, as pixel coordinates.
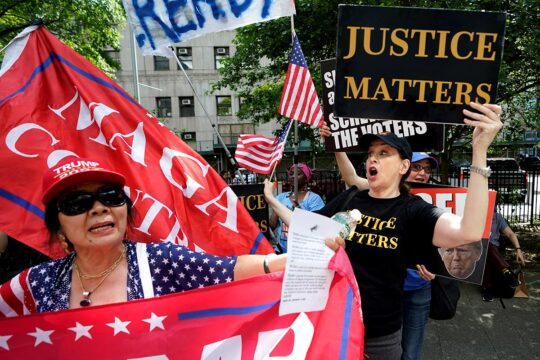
<point>415,63</point>
<point>252,197</point>
<point>346,131</point>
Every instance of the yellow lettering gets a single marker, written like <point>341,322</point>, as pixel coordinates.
<point>352,41</point>
<point>463,91</point>
<point>483,94</point>
<point>393,243</point>
<point>382,90</point>
<point>441,90</point>
<point>422,39</point>
<point>351,85</point>
<point>401,88</point>
<point>399,42</point>
<point>483,46</point>
<point>367,40</point>
<point>383,242</point>
<point>441,54</point>
<point>391,223</point>
<point>371,239</point>
<point>422,89</point>
<point>454,45</point>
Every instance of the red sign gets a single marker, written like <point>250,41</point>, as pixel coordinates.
<point>54,103</point>
<point>238,320</point>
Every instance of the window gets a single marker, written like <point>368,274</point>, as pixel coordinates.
<point>230,132</point>
<point>187,106</point>
<point>219,54</point>
<point>186,58</point>
<point>164,108</point>
<point>161,63</point>
<point>223,105</point>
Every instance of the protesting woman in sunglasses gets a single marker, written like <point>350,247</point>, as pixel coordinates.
<point>89,213</point>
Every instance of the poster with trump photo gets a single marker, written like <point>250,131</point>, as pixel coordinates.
<point>465,262</point>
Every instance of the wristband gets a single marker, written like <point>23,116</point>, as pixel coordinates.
<point>265,265</point>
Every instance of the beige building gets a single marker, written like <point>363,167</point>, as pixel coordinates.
<point>165,91</point>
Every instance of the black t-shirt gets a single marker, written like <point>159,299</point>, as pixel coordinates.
<point>392,234</point>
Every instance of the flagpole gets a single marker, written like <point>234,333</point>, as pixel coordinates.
<point>227,152</point>
<point>295,137</point>
<point>135,65</point>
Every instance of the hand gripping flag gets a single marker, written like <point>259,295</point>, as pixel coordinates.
<point>259,153</point>
<point>238,320</point>
<point>54,103</point>
<point>299,100</point>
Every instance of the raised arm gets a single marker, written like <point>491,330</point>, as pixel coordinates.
<point>452,230</point>
<point>346,168</point>
<point>278,208</point>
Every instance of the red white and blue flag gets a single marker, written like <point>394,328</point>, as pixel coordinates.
<point>299,100</point>
<point>54,103</point>
<point>260,154</point>
<point>238,320</point>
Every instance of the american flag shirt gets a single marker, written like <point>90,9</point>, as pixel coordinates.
<point>153,270</point>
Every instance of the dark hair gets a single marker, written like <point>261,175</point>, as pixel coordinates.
<point>403,186</point>
<point>53,223</point>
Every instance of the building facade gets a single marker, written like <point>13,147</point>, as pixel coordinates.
<point>165,90</point>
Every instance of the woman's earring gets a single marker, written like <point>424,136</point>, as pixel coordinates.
<point>64,243</point>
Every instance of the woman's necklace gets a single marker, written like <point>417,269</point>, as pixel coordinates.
<point>104,274</point>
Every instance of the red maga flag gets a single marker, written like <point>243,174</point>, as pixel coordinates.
<point>238,320</point>
<point>259,153</point>
<point>299,99</point>
<point>54,103</point>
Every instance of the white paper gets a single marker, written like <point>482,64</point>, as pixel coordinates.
<point>307,278</point>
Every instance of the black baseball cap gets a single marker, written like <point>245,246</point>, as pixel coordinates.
<point>398,143</point>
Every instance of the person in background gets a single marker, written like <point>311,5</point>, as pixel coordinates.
<point>226,175</point>
<point>397,229</point>
<point>495,262</point>
<point>417,287</point>
<point>307,200</point>
<point>87,210</point>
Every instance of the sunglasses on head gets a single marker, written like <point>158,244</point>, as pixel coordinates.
<point>78,202</point>
<point>418,168</point>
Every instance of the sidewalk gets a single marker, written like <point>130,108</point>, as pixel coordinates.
<point>485,330</point>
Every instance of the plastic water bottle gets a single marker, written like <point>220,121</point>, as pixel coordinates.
<point>348,219</point>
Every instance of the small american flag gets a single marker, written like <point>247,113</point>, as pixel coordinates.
<point>258,153</point>
<point>299,99</point>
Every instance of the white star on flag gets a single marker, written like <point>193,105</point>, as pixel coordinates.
<point>4,340</point>
<point>155,321</point>
<point>119,326</point>
<point>42,336</point>
<point>81,330</point>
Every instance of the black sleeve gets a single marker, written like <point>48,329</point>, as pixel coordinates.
<point>423,217</point>
<point>337,204</point>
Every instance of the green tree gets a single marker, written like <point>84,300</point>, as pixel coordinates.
<point>87,26</point>
<point>257,70</point>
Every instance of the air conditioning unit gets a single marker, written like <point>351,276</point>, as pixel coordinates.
<point>182,51</point>
<point>221,50</point>
<point>188,136</point>
<point>186,101</point>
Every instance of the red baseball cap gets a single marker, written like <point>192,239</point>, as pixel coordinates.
<point>73,171</point>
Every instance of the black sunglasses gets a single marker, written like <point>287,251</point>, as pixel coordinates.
<point>78,202</point>
<point>418,168</point>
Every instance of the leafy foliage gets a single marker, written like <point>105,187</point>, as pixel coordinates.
<point>87,26</point>
<point>257,69</point>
